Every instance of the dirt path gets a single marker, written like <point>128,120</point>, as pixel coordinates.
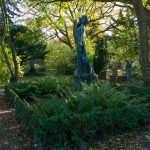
<point>11,135</point>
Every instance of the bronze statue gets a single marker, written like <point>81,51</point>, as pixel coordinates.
<point>84,71</point>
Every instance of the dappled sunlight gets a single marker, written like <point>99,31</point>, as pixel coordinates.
<point>5,111</point>
<point>12,136</point>
<point>10,129</point>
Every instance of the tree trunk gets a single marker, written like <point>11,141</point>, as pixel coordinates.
<point>74,34</point>
<point>144,40</point>
<point>6,34</point>
<point>6,59</point>
<point>143,36</point>
<point>13,50</point>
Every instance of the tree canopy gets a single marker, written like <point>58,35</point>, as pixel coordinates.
<point>118,21</point>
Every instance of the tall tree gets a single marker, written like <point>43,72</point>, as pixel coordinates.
<point>142,18</point>
<point>62,18</point>
<point>5,36</point>
<point>124,43</point>
<point>101,56</point>
<point>30,45</point>
<point>143,34</point>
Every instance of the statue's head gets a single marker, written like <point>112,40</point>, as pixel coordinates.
<point>127,61</point>
<point>84,19</point>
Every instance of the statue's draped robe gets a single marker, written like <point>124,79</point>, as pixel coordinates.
<point>84,70</point>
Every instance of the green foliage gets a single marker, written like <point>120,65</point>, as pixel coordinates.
<point>139,92</point>
<point>62,18</point>
<point>54,86</point>
<point>99,109</point>
<point>124,42</point>
<point>31,91</point>
<point>29,44</point>
<point>101,56</point>
<point>4,73</point>
<point>61,59</point>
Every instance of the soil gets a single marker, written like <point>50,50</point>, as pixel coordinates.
<point>139,140</point>
<point>12,136</point>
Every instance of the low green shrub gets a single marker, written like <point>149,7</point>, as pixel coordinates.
<point>54,86</point>
<point>34,90</point>
<point>81,116</point>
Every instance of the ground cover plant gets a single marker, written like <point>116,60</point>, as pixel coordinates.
<point>60,118</point>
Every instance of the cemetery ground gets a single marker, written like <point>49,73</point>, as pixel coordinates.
<point>12,136</point>
<point>100,116</point>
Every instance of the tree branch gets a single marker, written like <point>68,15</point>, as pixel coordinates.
<point>122,1</point>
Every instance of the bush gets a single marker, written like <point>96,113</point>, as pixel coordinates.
<point>36,89</point>
<point>54,86</point>
<point>82,116</point>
